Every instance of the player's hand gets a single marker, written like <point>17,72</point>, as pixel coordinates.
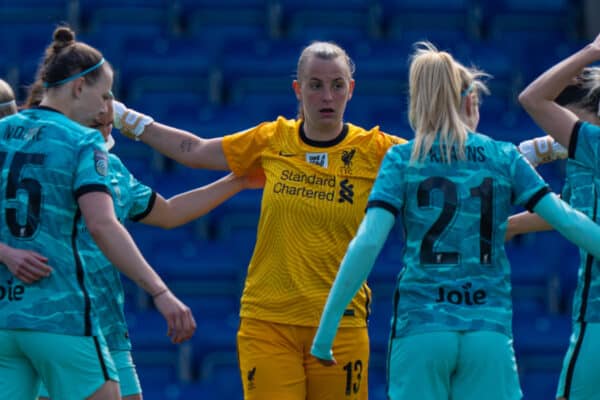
<point>26,265</point>
<point>130,122</point>
<point>542,150</point>
<point>324,357</point>
<point>180,321</point>
<point>325,362</point>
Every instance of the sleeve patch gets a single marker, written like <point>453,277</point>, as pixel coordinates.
<point>101,162</point>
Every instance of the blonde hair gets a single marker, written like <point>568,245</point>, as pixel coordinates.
<point>438,84</point>
<point>7,100</point>
<point>324,51</point>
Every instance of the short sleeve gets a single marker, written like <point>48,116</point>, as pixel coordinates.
<point>243,149</point>
<point>528,186</point>
<point>584,144</point>
<point>91,173</point>
<point>388,189</point>
<point>142,199</point>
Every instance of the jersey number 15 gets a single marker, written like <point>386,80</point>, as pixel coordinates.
<point>29,185</point>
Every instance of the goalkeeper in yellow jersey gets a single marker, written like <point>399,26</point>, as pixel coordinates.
<point>319,172</point>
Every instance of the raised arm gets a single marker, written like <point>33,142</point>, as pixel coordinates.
<point>120,249</point>
<point>538,98</point>
<point>179,145</point>
<point>185,207</point>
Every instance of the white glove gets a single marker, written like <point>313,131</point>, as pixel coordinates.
<point>130,122</point>
<point>542,150</point>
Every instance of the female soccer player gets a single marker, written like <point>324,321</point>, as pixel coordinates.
<point>579,133</point>
<point>54,173</point>
<point>319,172</point>
<point>453,188</point>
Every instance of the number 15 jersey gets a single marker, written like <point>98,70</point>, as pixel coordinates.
<point>48,161</point>
<point>456,275</point>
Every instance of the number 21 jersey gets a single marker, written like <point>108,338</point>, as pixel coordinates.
<point>456,275</point>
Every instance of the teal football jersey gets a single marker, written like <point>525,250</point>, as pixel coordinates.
<point>581,191</point>
<point>133,201</point>
<point>455,274</point>
<point>48,161</point>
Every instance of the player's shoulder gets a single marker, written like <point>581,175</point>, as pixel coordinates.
<point>494,147</point>
<point>373,135</point>
<point>116,162</point>
<point>270,129</point>
<point>283,124</point>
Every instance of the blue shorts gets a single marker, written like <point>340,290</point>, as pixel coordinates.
<point>453,365</point>
<point>73,367</point>
<point>129,382</point>
<point>579,379</point>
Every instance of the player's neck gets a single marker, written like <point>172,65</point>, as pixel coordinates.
<point>322,132</point>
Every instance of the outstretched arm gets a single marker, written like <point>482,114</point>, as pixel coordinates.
<point>120,249</point>
<point>538,97</point>
<point>185,207</point>
<point>572,224</point>
<point>356,266</point>
<point>179,145</point>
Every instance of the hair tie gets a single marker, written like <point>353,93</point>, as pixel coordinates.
<point>8,103</point>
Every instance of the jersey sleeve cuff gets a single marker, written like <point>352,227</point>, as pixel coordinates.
<point>383,204</point>
<point>148,209</point>
<point>530,205</point>
<point>91,188</point>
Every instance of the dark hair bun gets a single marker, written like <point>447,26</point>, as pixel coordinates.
<point>63,36</point>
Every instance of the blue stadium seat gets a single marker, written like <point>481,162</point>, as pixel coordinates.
<point>237,226</point>
<point>222,371</point>
<point>538,385</point>
<point>194,266</point>
<point>381,317</point>
<point>369,109</point>
<point>213,345</point>
<point>528,29</point>
<point>532,269</point>
<point>213,305</point>
<point>343,23</point>
<point>127,16</point>
<point>541,342</point>
<point>444,23</point>
<point>153,351</point>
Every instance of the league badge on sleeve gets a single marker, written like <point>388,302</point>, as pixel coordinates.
<point>101,162</point>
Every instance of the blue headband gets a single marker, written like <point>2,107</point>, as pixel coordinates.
<point>8,103</point>
<point>468,89</point>
<point>72,78</point>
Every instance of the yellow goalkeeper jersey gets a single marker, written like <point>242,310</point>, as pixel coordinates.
<point>314,199</point>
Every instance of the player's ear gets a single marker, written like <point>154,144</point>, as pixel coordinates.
<point>351,88</point>
<point>77,87</point>
<point>297,91</point>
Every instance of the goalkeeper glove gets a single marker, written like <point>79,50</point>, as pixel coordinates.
<point>542,150</point>
<point>130,122</point>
